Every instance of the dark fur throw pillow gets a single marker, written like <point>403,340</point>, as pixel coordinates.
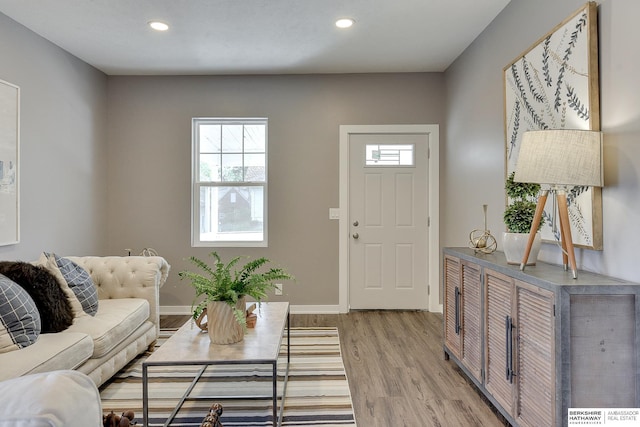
<point>55,310</point>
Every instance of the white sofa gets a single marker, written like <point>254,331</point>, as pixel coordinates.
<point>126,324</point>
<point>50,399</point>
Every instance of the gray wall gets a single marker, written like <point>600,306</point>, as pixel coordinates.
<point>473,160</point>
<point>105,160</point>
<point>149,162</point>
<point>63,174</point>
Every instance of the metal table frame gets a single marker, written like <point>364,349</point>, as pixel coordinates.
<point>277,415</point>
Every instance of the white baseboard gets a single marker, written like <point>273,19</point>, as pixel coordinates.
<point>315,309</point>
<point>295,309</point>
<point>175,309</point>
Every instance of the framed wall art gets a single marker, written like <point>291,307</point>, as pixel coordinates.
<point>9,163</point>
<point>554,85</point>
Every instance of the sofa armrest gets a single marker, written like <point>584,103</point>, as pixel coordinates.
<point>128,277</point>
<point>56,398</point>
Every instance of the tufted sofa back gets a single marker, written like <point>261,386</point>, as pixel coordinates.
<point>128,277</point>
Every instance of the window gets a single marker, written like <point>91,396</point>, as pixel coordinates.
<point>229,182</point>
<point>389,155</point>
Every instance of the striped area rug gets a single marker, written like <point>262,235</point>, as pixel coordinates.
<point>317,390</point>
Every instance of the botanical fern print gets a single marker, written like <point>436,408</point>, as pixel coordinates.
<point>545,62</point>
<point>550,87</point>
<point>524,98</point>
<point>516,125</point>
<point>581,22</point>
<point>527,73</point>
<point>575,103</point>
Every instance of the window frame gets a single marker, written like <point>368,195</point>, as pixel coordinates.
<point>197,184</point>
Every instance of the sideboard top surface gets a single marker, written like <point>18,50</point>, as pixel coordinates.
<point>544,275</point>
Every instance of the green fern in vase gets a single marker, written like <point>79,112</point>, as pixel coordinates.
<point>230,282</point>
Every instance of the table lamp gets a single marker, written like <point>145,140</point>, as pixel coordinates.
<point>557,160</point>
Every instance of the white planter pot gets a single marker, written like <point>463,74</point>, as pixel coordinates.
<point>514,245</point>
<point>222,324</point>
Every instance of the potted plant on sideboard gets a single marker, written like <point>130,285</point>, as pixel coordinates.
<point>518,216</point>
<point>224,287</point>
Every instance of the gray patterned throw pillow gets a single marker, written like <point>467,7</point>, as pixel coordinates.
<point>80,283</point>
<point>19,317</point>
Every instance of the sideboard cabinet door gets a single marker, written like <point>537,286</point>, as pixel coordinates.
<point>452,318</point>
<point>472,318</point>
<point>520,349</point>
<point>499,372</point>
<point>463,316</point>
<point>534,335</point>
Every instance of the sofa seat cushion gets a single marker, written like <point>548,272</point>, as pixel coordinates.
<point>115,320</point>
<point>49,353</point>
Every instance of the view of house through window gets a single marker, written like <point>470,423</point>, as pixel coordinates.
<point>229,182</point>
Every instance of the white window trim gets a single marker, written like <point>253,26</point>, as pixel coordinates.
<point>196,185</point>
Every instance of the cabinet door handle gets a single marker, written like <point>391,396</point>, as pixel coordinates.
<point>509,341</point>
<point>507,330</point>
<point>457,290</point>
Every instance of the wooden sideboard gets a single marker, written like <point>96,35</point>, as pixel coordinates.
<point>538,342</point>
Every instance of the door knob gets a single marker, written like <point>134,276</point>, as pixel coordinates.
<point>356,235</point>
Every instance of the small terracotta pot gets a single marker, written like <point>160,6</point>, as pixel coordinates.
<point>252,318</point>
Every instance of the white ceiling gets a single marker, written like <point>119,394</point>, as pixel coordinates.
<point>258,36</point>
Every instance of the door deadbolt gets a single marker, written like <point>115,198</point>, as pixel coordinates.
<point>356,223</point>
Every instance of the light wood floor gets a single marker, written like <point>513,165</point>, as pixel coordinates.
<point>397,372</point>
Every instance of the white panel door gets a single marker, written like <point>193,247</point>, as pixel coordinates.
<point>388,221</point>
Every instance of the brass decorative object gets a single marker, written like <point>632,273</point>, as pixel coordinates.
<point>482,240</point>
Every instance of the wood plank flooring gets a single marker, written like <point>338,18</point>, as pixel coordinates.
<point>396,369</point>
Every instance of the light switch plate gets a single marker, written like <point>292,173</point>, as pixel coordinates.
<point>334,213</point>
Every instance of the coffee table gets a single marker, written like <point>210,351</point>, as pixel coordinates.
<point>190,346</point>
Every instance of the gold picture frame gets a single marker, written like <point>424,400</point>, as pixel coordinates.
<point>554,85</point>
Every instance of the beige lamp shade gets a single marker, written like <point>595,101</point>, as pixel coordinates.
<point>561,157</point>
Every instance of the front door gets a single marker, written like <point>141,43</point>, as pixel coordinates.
<point>388,221</point>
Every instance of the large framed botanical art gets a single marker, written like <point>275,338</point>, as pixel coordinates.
<point>9,161</point>
<point>554,85</point>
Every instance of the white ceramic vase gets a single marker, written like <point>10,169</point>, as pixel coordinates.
<point>222,326</point>
<point>514,245</point>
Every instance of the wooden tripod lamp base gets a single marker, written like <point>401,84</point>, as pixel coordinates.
<point>568,255</point>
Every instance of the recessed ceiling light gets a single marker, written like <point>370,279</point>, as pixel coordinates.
<point>158,26</point>
<point>344,22</point>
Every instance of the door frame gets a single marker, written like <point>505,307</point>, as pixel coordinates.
<point>433,133</point>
